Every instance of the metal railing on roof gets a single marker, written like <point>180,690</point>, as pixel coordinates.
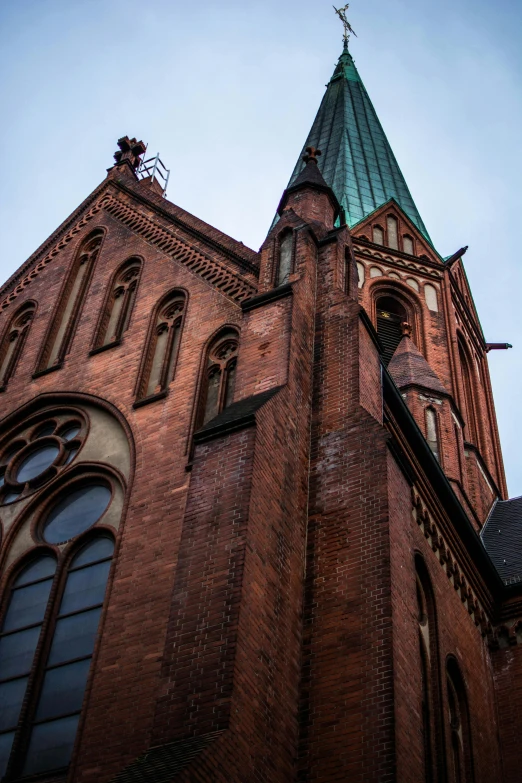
<point>156,170</point>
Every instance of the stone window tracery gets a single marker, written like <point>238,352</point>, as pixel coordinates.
<point>65,319</point>
<point>219,377</point>
<point>163,346</point>
<point>118,305</point>
<point>13,341</point>
<point>38,454</point>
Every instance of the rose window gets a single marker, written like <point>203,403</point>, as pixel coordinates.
<point>37,455</point>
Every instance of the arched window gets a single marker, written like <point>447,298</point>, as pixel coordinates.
<point>60,334</point>
<point>393,234</point>
<point>461,749</point>
<point>217,391</point>
<point>118,305</point>
<point>432,431</point>
<point>432,731</point>
<point>378,235</point>
<point>52,700</point>
<point>407,244</point>
<point>390,315</point>
<point>162,346</point>
<point>285,258</point>
<point>13,341</point>
<point>466,369</point>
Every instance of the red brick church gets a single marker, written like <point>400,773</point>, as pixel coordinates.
<point>254,523</point>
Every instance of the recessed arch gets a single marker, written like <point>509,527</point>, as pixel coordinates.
<point>118,304</point>
<point>402,303</point>
<point>13,340</point>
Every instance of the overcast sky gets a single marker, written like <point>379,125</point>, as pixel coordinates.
<point>227,91</point>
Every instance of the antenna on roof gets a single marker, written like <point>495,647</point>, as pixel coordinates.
<point>341,13</point>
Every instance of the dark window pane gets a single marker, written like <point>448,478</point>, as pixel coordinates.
<point>38,569</point>
<point>27,605</point>
<point>36,463</point>
<point>72,454</point>
<point>70,432</point>
<point>231,380</point>
<point>212,401</point>
<point>74,636</point>
<point>62,690</point>
<point>6,742</point>
<point>10,497</point>
<point>45,430</point>
<point>76,513</point>
<point>2,479</point>
<point>85,587</point>
<point>11,698</point>
<point>17,651</point>
<point>96,550</point>
<point>51,745</point>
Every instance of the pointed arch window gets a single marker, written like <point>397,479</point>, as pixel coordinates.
<point>393,232</point>
<point>466,369</point>
<point>13,341</point>
<point>432,732</point>
<point>432,431</point>
<point>162,347</point>
<point>407,244</point>
<point>63,325</point>
<point>285,258</point>
<point>217,391</point>
<point>459,720</point>
<point>41,700</point>
<point>117,308</point>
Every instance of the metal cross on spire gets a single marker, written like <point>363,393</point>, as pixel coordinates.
<point>341,13</point>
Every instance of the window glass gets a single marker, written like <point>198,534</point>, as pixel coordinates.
<point>62,690</point>
<point>70,432</point>
<point>6,742</point>
<point>27,605</point>
<point>17,651</point>
<point>212,403</point>
<point>45,430</point>
<point>76,513</point>
<point>51,745</point>
<point>98,549</point>
<point>11,697</point>
<point>74,636</point>
<point>36,463</point>
<point>10,497</point>
<point>85,587</point>
<point>38,569</point>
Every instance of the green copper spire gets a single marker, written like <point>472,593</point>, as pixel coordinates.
<point>357,161</point>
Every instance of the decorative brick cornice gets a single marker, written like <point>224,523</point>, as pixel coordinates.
<point>231,284</point>
<point>450,566</point>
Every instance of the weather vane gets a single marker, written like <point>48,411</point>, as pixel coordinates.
<point>341,13</point>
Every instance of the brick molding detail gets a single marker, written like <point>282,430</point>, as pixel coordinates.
<point>449,564</point>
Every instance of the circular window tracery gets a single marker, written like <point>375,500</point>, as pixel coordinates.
<point>29,461</point>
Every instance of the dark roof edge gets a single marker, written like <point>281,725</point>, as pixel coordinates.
<point>236,417</point>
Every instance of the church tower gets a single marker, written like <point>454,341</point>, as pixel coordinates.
<point>254,520</point>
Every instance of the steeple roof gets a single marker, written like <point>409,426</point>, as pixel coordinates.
<point>357,161</point>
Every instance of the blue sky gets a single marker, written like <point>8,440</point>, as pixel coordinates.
<point>227,92</point>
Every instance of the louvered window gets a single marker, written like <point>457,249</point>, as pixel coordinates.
<point>390,316</point>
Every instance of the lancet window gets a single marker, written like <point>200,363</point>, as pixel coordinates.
<point>466,369</point>
<point>432,431</point>
<point>118,305</point>
<point>390,315</point>
<point>429,671</point>
<point>217,390</point>
<point>60,334</point>
<point>407,244</point>
<point>13,341</point>
<point>162,346</point>
<point>285,258</point>
<point>459,721</point>
<point>392,231</point>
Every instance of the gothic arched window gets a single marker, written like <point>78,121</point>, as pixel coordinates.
<point>217,391</point>
<point>466,369</point>
<point>285,258</point>
<point>461,750</point>
<point>67,313</point>
<point>162,346</point>
<point>391,313</point>
<point>13,341</point>
<point>429,670</point>
<point>432,431</point>
<point>118,305</point>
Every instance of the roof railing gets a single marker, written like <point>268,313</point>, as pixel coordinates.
<point>156,170</point>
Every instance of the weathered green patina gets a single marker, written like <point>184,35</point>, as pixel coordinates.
<point>357,161</point>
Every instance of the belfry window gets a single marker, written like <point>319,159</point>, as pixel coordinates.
<point>163,346</point>
<point>119,303</point>
<point>284,266</point>
<point>390,315</point>
<point>60,334</point>
<point>217,390</point>
<point>13,341</point>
